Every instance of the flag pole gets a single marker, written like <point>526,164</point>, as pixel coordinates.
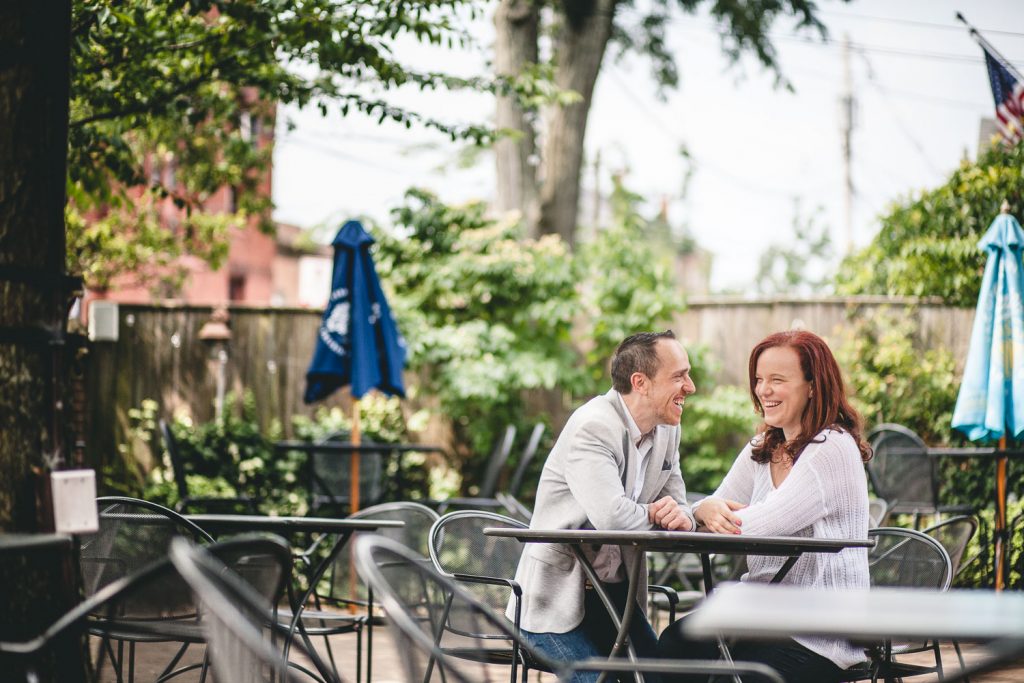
<point>987,46</point>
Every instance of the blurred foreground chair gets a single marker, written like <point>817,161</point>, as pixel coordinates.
<point>342,603</point>
<point>421,603</point>
<point>136,534</point>
<point>234,619</point>
<point>38,585</point>
<point>151,604</point>
<point>908,559</point>
<point>193,504</point>
<point>903,474</point>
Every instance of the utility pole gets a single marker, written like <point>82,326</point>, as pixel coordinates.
<point>847,108</point>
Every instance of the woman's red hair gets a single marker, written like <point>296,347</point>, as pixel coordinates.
<point>827,407</point>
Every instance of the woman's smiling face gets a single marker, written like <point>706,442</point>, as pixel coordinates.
<point>782,390</point>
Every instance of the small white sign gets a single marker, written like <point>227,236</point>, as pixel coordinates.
<point>74,502</point>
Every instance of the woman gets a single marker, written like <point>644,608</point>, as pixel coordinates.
<point>802,475</point>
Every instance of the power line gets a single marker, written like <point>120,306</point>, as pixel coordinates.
<point>914,22</point>
<point>826,41</point>
<point>701,163</point>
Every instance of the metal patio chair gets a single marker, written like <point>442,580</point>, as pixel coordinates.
<point>342,603</point>
<point>234,620</point>
<point>907,559</point>
<point>421,603</point>
<point>902,473</point>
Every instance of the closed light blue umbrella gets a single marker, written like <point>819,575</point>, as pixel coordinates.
<point>990,404</point>
<point>358,342</point>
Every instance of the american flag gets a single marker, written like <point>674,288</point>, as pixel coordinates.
<point>1009,96</point>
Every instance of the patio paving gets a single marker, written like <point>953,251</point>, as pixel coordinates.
<point>151,658</point>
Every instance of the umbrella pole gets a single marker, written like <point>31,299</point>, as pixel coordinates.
<point>1000,521</point>
<point>355,457</point>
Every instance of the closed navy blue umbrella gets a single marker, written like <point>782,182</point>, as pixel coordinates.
<point>358,343</point>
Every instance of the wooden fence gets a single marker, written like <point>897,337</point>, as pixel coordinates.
<point>159,355</point>
<point>730,327</point>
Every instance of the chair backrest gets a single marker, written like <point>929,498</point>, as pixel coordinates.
<point>420,603</point>
<point>415,535</point>
<point>52,559</point>
<point>525,458</point>
<point>177,463</point>
<point>331,475</point>
<point>877,508</point>
<point>496,461</point>
<point>458,545</point>
<point>908,559</point>
<point>901,470</point>
<point>234,616</point>
<point>132,533</point>
<point>954,534</point>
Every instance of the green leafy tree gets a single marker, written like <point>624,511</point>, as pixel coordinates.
<point>487,314</point>
<point>168,98</point>
<point>627,283</point>
<point>927,243</point>
<point>542,180</point>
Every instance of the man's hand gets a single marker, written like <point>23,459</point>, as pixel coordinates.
<point>717,514</point>
<point>667,514</point>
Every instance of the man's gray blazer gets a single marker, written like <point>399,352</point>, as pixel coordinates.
<point>583,487</point>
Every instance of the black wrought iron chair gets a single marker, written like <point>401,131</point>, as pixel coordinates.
<point>198,504</point>
<point>907,559</point>
<point>903,473</point>
<point>955,534</point>
<point>489,484</point>
<point>330,487</point>
<point>506,501</point>
<point>485,567</point>
<point>341,588</point>
<point>422,603</point>
<point>234,620</point>
<point>135,534</point>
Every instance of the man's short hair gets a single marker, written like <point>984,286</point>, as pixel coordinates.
<point>636,353</point>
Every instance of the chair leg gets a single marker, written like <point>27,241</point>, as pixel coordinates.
<point>960,657</point>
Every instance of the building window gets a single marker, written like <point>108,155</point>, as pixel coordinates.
<point>236,288</point>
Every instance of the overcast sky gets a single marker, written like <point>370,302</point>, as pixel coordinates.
<point>918,79</point>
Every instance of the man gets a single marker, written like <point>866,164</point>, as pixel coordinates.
<point>615,466</point>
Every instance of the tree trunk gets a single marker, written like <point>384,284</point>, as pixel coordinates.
<point>34,77</point>
<point>515,48</point>
<point>579,45</point>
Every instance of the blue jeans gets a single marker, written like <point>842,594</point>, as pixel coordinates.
<point>794,662</point>
<point>595,636</point>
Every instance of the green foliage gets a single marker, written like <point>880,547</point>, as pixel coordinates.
<point>410,476</point>
<point>627,284</point>
<point>123,475</point>
<point>489,315</point>
<point>891,379</point>
<point>187,84</point>
<point>231,457</point>
<point>927,244</point>
<point>486,313</point>
<point>716,426</point>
